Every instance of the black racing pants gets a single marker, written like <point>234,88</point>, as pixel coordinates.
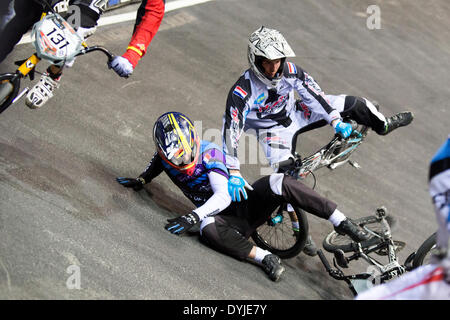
<point>354,108</point>
<point>231,229</point>
<point>16,18</point>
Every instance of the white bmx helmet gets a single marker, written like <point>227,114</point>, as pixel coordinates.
<point>270,44</point>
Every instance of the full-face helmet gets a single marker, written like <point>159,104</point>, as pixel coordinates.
<point>269,44</point>
<point>177,141</point>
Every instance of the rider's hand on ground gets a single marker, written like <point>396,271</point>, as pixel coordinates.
<point>183,223</point>
<point>136,184</point>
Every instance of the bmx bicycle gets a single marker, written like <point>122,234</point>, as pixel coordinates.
<point>280,235</point>
<point>345,250</point>
<point>55,41</point>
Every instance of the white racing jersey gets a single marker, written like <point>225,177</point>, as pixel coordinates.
<point>253,105</point>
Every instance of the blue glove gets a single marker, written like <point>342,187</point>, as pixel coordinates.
<point>121,66</point>
<point>236,186</point>
<point>343,129</point>
<point>183,223</point>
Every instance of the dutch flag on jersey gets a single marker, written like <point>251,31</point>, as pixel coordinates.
<point>240,92</point>
<point>291,67</point>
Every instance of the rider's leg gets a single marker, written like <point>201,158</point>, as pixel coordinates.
<point>226,234</point>
<point>277,145</point>
<point>367,113</point>
<point>298,194</point>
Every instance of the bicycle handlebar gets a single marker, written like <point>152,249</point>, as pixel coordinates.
<point>97,48</point>
<point>286,163</point>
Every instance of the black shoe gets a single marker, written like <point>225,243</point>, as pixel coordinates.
<point>347,227</point>
<point>272,266</point>
<point>399,120</point>
<point>310,247</point>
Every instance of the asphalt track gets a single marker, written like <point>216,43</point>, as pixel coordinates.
<point>61,207</point>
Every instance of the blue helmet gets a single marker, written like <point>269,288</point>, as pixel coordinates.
<point>177,141</point>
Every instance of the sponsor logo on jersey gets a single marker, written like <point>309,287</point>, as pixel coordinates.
<point>241,93</point>
<point>274,106</point>
<point>312,84</point>
<point>305,110</point>
<point>260,99</point>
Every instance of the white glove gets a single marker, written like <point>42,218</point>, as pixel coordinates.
<point>83,33</point>
<point>121,66</point>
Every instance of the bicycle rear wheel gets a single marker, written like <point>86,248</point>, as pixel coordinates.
<point>9,87</point>
<point>281,239</point>
<point>425,252</point>
<point>334,240</point>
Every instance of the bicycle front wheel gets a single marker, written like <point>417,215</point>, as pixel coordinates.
<point>9,87</point>
<point>281,238</point>
<point>425,252</point>
<point>334,240</point>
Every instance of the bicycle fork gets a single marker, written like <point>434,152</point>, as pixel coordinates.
<point>26,68</point>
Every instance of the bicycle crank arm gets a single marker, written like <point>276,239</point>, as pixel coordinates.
<point>20,95</point>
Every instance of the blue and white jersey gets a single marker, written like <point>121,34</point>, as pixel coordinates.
<point>253,105</point>
<point>197,186</point>
<point>439,177</point>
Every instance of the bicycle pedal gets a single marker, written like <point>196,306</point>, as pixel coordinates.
<point>341,260</point>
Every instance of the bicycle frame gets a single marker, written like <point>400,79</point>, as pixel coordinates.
<point>327,156</point>
<point>382,272</point>
<point>46,48</point>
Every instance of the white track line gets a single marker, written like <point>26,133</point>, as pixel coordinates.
<point>170,6</point>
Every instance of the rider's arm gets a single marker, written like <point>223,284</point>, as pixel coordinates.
<point>234,121</point>
<point>154,168</point>
<point>311,93</point>
<point>148,20</point>
<point>220,200</point>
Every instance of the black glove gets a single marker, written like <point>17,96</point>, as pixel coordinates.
<point>183,223</point>
<point>136,184</point>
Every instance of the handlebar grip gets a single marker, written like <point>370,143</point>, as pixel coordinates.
<point>352,123</point>
<point>286,163</point>
<point>324,260</point>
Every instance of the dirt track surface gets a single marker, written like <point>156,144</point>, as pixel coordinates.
<point>60,205</point>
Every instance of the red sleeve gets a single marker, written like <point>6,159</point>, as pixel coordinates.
<point>148,20</point>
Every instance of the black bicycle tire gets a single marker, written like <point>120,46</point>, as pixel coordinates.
<point>329,246</point>
<point>423,250</point>
<point>298,245</point>
<point>15,91</point>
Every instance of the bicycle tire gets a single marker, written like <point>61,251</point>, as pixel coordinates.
<point>9,88</point>
<point>334,240</point>
<point>280,239</point>
<point>425,251</point>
